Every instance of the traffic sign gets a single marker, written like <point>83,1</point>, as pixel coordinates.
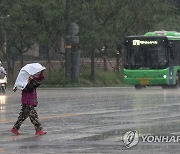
<point>74,29</point>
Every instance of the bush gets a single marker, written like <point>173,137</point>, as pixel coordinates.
<point>102,78</point>
<point>108,78</point>
<point>55,79</point>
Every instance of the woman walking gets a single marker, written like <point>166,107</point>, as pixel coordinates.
<point>35,74</point>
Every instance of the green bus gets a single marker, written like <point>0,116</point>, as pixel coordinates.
<point>152,59</point>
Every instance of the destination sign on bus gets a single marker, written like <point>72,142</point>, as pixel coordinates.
<point>139,42</point>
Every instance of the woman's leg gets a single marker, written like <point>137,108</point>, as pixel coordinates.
<point>34,119</point>
<point>22,116</point>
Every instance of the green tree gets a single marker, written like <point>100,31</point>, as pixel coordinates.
<point>52,26</point>
<point>43,22</point>
<point>114,19</point>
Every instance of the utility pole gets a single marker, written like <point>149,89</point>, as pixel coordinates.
<point>68,46</point>
<point>93,47</point>
<point>72,54</point>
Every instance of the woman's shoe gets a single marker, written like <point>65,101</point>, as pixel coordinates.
<point>15,131</point>
<point>40,132</point>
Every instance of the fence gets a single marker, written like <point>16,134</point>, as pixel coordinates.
<point>100,64</point>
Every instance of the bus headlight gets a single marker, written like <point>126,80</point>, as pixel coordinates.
<point>164,76</point>
<point>125,76</point>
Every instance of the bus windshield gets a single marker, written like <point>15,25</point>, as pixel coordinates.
<point>146,56</point>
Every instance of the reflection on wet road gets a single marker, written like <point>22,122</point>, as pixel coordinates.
<point>92,120</point>
<point>2,103</point>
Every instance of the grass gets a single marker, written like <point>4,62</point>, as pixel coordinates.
<point>102,79</point>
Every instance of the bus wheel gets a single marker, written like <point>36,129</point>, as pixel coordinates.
<point>138,87</point>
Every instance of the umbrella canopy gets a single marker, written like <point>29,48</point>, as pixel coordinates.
<point>25,73</point>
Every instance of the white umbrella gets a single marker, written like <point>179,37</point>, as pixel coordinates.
<point>25,73</point>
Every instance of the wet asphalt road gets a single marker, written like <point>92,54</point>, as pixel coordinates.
<point>92,120</point>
